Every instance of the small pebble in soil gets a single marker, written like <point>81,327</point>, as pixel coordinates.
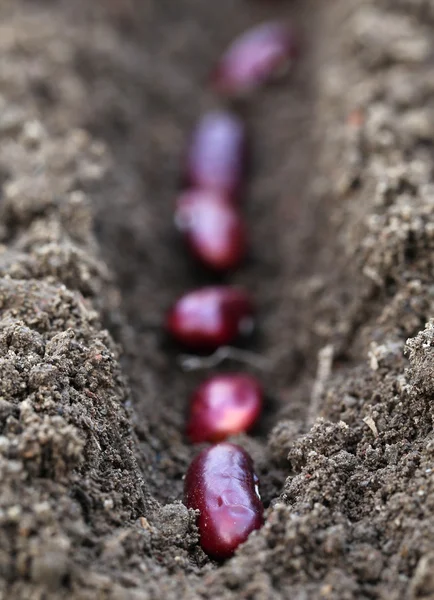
<point>210,317</point>
<point>221,483</point>
<point>224,405</point>
<point>216,155</point>
<point>212,227</point>
<point>261,54</point>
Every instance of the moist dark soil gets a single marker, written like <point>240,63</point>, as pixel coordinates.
<point>96,102</point>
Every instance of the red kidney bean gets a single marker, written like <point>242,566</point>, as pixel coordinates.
<point>221,483</point>
<point>210,317</point>
<point>224,405</point>
<point>212,227</point>
<point>216,157</point>
<point>256,57</point>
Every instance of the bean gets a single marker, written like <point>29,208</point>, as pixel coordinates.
<point>222,485</point>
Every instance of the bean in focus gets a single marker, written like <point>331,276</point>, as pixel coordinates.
<point>222,485</point>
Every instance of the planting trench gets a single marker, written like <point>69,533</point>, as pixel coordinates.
<point>96,103</point>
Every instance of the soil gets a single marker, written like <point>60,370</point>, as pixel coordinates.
<point>96,102</point>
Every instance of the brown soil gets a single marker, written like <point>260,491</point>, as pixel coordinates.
<point>96,101</point>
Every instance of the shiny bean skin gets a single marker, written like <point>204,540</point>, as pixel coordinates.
<point>224,405</point>
<point>256,57</point>
<point>212,228</point>
<point>210,317</point>
<point>216,154</point>
<point>222,485</point>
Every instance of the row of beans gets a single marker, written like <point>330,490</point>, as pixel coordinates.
<point>221,482</point>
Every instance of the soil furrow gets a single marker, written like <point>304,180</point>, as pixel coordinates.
<point>96,103</point>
